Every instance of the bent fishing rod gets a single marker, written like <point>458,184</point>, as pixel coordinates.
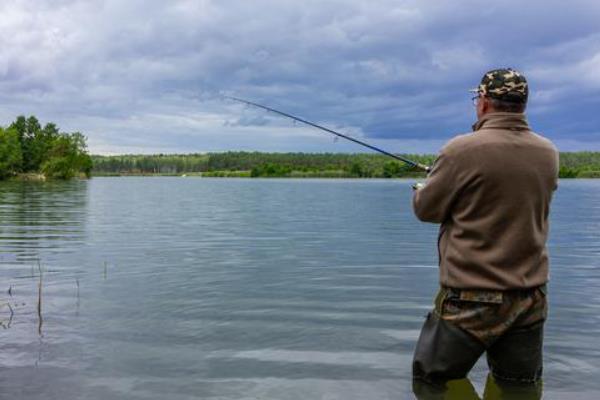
<point>397,157</point>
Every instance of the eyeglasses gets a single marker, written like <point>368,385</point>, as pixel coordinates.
<point>475,99</point>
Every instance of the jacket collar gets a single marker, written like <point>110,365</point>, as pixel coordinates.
<point>502,120</point>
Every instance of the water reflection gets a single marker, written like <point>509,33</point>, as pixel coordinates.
<point>462,389</point>
<point>37,219</point>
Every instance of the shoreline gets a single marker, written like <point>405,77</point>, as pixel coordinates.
<point>196,175</point>
<point>37,177</point>
<point>247,175</point>
<point>28,177</point>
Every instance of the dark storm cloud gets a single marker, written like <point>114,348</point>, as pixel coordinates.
<point>146,75</point>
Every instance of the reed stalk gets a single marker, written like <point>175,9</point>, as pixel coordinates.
<point>39,307</point>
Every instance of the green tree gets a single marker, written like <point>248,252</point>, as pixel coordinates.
<point>10,152</point>
<point>39,145</point>
<point>20,126</point>
<point>356,169</point>
<point>29,130</point>
<point>566,172</point>
<point>67,157</point>
<point>391,169</point>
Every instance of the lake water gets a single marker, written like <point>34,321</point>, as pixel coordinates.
<point>189,288</point>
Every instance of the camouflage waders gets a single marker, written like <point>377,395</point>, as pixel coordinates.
<point>507,325</point>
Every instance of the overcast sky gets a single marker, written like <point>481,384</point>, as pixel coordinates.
<point>147,76</point>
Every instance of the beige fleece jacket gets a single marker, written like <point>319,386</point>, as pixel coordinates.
<point>491,191</point>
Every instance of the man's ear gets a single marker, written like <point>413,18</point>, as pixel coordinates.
<point>486,105</point>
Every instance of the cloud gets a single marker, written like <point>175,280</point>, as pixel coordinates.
<point>146,75</point>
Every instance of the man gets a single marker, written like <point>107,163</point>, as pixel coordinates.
<point>490,190</point>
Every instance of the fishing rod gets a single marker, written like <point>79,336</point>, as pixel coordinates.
<point>397,157</point>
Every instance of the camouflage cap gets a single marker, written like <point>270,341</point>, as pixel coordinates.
<point>504,84</point>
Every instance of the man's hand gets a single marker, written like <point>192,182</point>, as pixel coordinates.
<point>418,185</point>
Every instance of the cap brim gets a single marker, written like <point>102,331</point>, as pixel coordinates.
<point>476,90</point>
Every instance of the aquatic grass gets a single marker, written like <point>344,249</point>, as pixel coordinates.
<point>12,313</point>
<point>78,299</point>
<point>39,307</point>
<point>40,275</point>
<point>40,291</point>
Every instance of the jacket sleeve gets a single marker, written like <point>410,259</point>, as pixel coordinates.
<point>433,202</point>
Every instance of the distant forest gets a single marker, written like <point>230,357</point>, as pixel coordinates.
<point>28,148</point>
<point>301,165</point>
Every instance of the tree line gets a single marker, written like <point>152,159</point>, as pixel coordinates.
<point>161,164</point>
<point>27,147</point>
<point>583,164</point>
<point>342,165</point>
<point>257,164</point>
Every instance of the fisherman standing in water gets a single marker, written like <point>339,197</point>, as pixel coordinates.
<point>490,190</point>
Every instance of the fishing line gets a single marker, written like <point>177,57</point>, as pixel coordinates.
<point>413,164</point>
